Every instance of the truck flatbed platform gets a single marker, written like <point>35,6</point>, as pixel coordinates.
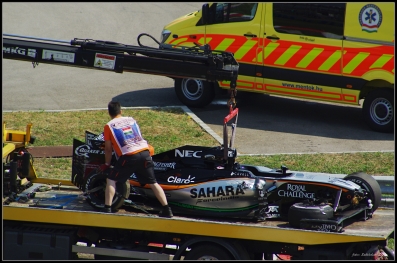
<point>66,205</point>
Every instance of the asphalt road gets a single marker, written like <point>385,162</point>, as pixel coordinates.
<point>266,124</point>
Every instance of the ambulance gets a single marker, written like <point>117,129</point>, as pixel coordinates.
<point>331,52</point>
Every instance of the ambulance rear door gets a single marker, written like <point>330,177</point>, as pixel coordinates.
<point>369,44</point>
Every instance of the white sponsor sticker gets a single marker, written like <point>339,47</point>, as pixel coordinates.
<point>188,153</point>
<point>32,53</point>
<point>20,51</point>
<point>176,180</point>
<point>295,191</point>
<point>104,61</point>
<point>84,150</point>
<point>58,56</point>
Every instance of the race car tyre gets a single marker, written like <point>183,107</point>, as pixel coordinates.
<point>308,210</point>
<point>96,198</point>
<point>194,93</point>
<point>208,252</point>
<point>378,110</point>
<point>367,182</point>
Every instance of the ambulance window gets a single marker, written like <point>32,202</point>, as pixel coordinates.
<point>232,12</point>
<point>316,20</point>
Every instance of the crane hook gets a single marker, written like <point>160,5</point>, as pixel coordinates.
<point>232,92</point>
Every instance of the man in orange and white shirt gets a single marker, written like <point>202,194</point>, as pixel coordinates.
<point>122,134</point>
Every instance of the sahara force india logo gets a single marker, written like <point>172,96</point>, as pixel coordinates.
<point>370,18</point>
<point>216,194</point>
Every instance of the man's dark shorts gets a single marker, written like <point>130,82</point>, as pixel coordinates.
<point>140,164</point>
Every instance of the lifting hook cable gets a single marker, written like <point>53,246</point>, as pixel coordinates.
<point>233,92</point>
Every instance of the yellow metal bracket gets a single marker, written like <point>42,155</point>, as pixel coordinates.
<point>13,139</point>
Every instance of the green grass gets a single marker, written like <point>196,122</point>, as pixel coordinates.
<point>169,128</point>
<point>390,243</point>
<point>165,129</point>
<point>374,163</point>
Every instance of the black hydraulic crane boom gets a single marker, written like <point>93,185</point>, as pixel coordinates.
<point>193,63</point>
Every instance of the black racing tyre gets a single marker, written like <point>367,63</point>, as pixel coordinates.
<point>367,182</point>
<point>194,93</point>
<point>96,198</point>
<point>378,110</point>
<point>308,210</point>
<point>208,252</point>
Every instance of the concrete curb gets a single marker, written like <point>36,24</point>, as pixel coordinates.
<point>202,124</point>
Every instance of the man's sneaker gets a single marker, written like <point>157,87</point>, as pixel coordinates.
<point>106,210</point>
<point>166,212</point>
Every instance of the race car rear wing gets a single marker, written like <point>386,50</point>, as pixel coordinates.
<point>107,55</point>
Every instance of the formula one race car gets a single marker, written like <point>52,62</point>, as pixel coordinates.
<point>207,181</point>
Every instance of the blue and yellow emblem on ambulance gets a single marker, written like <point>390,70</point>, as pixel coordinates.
<point>370,18</point>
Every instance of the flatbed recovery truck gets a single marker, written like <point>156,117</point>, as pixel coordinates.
<point>48,219</point>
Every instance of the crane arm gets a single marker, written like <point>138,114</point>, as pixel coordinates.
<point>111,56</point>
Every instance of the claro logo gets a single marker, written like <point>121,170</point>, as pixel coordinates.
<point>176,180</point>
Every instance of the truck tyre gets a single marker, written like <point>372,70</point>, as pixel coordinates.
<point>378,110</point>
<point>194,93</point>
<point>368,183</point>
<point>208,252</point>
<point>308,210</point>
<point>96,198</point>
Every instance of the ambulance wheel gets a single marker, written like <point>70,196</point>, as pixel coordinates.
<point>194,93</point>
<point>367,182</point>
<point>378,110</point>
<point>97,184</point>
<point>208,252</point>
<point>306,210</point>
